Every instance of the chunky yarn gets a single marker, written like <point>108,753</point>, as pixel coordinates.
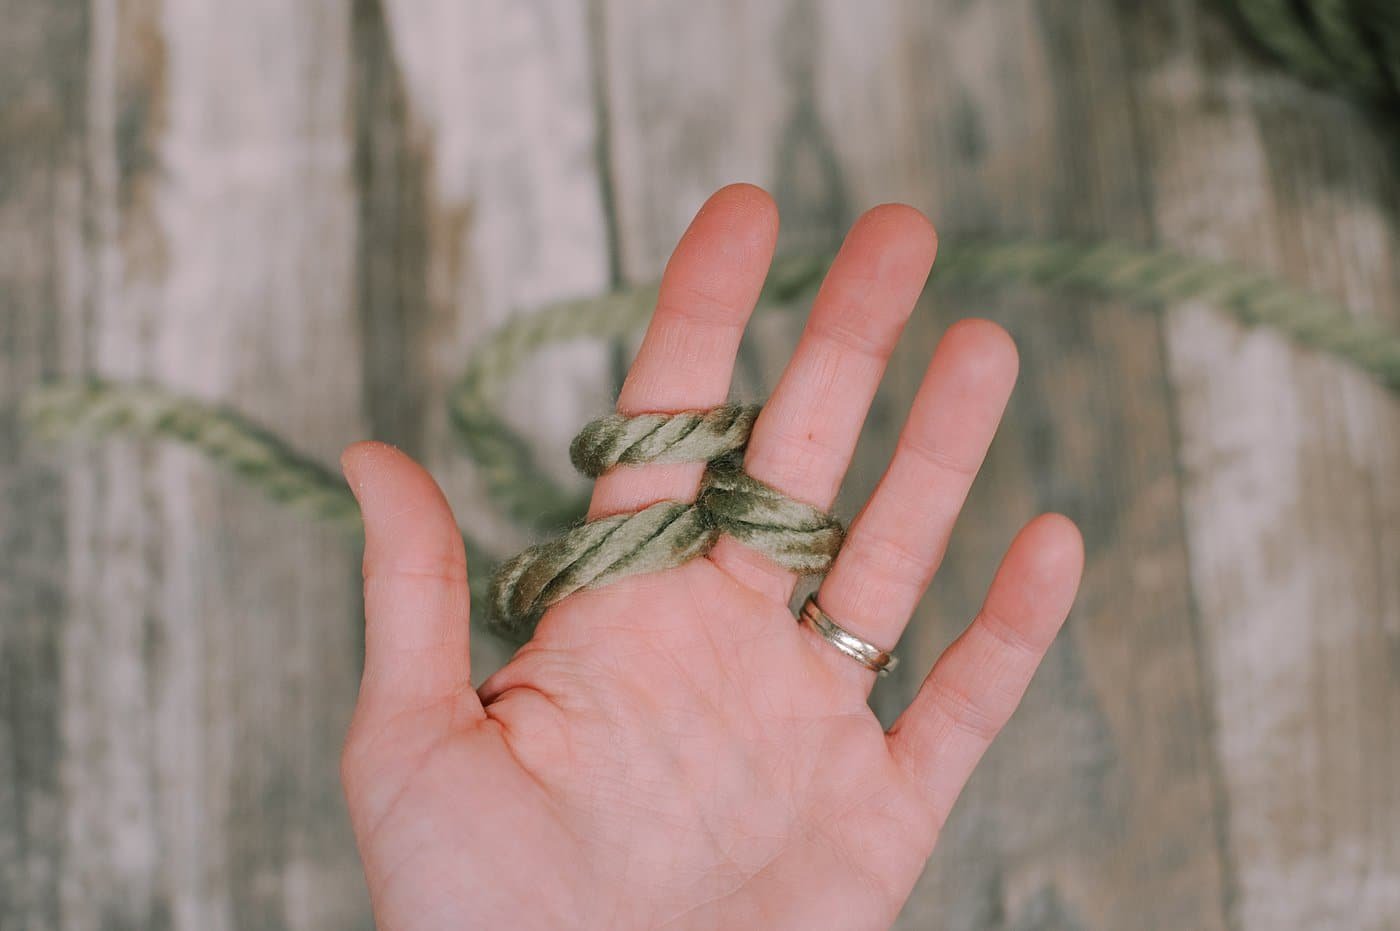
<point>667,534</point>
<point>690,436</point>
<point>525,493</point>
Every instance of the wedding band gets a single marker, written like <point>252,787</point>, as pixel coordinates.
<point>867,654</point>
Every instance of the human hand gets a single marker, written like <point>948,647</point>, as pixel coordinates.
<point>673,749</point>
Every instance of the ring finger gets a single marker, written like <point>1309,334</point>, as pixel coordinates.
<point>898,540</point>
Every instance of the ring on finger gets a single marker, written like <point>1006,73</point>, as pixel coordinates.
<point>862,651</point>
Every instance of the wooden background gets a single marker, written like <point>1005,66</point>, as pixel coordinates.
<point>313,209</point>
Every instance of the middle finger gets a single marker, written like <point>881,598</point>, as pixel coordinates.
<point>803,440</point>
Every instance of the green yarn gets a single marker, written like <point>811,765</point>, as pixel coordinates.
<point>1145,277</point>
<point>690,436</point>
<point>1148,278</point>
<point>797,536</point>
<point>99,407</point>
<point>667,534</point>
<point>517,485</point>
<point>256,455</point>
<point>1349,44</point>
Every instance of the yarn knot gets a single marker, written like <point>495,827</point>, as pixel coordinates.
<point>795,535</point>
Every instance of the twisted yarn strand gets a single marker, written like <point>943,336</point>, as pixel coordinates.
<point>1143,276</point>
<point>1162,279</point>
<point>795,535</point>
<point>254,454</point>
<point>1149,278</point>
<point>101,407</point>
<point>518,486</point>
<point>664,535</point>
<point>690,436</point>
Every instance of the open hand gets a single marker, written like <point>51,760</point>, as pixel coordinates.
<point>673,749</point>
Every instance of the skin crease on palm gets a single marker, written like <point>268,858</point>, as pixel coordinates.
<point>673,750</point>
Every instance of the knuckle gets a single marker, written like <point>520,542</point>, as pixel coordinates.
<point>448,568</point>
<point>852,321</point>
<point>934,457</point>
<point>1005,635</point>
<point>851,331</point>
<point>699,304</point>
<point>889,556</point>
<point>874,594</point>
<point>964,711</point>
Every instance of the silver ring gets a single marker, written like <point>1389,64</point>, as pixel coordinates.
<point>867,654</point>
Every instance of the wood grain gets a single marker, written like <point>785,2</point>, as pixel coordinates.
<point>314,211</point>
<point>252,194</point>
<point>206,653</point>
<point>500,114</point>
<point>42,70</point>
<point>1289,462</point>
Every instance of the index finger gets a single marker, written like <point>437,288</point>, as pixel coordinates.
<point>686,359</point>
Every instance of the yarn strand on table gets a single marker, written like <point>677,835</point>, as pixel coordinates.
<point>504,461</point>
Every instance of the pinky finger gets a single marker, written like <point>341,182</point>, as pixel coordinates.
<point>978,682</point>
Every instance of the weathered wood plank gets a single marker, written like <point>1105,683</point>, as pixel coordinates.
<point>391,174</point>
<point>313,211</point>
<point>43,88</point>
<point>276,663</point>
<point>209,648</point>
<point>1292,508</point>
<point>500,111</point>
<point>1103,811</point>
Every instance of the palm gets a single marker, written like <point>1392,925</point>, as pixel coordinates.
<point>671,749</point>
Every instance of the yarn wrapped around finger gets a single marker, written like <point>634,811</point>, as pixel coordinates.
<point>794,534</point>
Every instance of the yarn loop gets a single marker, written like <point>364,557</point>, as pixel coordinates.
<point>795,535</point>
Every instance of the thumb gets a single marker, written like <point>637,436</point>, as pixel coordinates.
<point>417,605</point>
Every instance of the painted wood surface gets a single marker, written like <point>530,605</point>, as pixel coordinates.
<point>312,211</point>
